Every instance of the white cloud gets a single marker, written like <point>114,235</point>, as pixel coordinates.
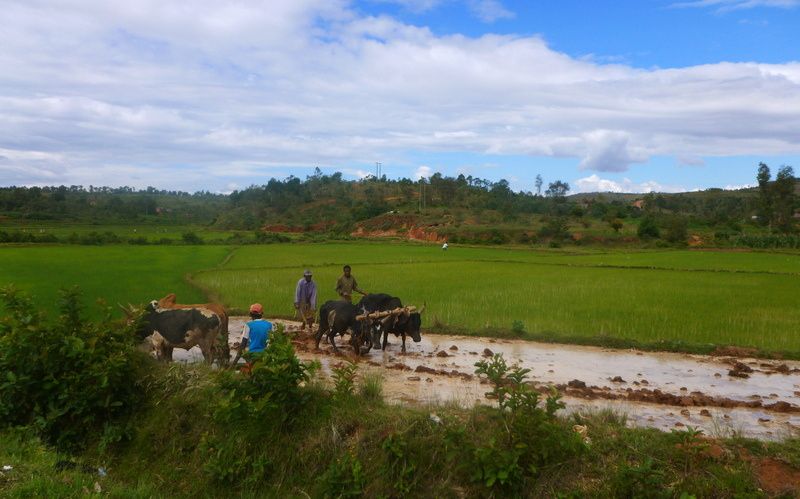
<point>187,92</point>
<point>489,11</point>
<point>610,151</point>
<point>594,183</point>
<point>727,5</point>
<point>423,172</point>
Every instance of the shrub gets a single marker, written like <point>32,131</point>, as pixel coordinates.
<point>677,230</point>
<point>271,391</point>
<point>555,228</point>
<point>648,229</point>
<point>67,378</point>
<point>262,237</point>
<point>518,328</point>
<point>343,478</point>
<point>191,238</point>
<point>535,438</point>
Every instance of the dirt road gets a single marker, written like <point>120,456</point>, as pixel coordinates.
<point>721,395</point>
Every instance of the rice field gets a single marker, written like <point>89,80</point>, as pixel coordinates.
<point>696,297</point>
<point>135,274</point>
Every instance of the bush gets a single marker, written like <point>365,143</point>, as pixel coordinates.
<point>270,237</point>
<point>535,437</point>
<point>648,229</point>
<point>555,228</point>
<point>191,238</point>
<point>66,378</point>
<point>271,391</point>
<point>677,230</point>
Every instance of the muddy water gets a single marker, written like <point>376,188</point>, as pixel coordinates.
<point>408,379</point>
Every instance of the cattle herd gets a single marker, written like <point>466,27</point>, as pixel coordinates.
<point>165,325</point>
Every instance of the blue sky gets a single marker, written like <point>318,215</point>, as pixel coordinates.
<point>619,95</point>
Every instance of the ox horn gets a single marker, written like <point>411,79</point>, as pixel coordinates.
<point>422,309</point>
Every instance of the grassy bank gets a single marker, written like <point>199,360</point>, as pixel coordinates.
<point>350,445</point>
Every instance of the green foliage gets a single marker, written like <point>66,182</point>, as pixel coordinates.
<point>191,238</point>
<point>401,468</point>
<point>648,228</point>
<point>270,391</point>
<point>66,377</point>
<point>343,478</point>
<point>263,237</point>
<point>344,376</point>
<point>555,228</point>
<point>518,328</point>
<point>677,230</point>
<point>372,386</point>
<point>643,480</point>
<point>535,439</point>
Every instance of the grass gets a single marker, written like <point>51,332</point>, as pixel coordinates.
<point>135,274</point>
<point>677,300</point>
<point>358,444</point>
<point>667,297</point>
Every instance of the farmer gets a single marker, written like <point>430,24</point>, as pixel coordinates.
<point>346,285</point>
<point>255,334</point>
<point>305,300</point>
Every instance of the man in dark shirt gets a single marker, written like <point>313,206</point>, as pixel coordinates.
<point>346,285</point>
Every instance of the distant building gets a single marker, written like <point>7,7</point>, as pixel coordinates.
<point>639,203</point>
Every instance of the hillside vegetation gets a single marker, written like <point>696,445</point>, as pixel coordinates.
<point>457,209</point>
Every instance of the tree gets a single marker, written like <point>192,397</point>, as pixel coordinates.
<point>765,195</point>
<point>616,224</point>
<point>677,230</point>
<point>648,229</point>
<point>538,184</point>
<point>784,198</point>
<point>557,189</point>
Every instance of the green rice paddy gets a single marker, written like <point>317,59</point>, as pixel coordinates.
<point>692,297</point>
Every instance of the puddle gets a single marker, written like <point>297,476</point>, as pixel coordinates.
<point>421,377</point>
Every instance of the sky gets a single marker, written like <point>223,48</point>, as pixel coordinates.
<point>607,95</point>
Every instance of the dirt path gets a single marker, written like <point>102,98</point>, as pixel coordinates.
<point>721,395</point>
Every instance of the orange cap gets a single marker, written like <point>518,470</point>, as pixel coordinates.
<point>256,308</point>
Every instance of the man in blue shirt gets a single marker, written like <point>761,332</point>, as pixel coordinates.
<point>255,335</point>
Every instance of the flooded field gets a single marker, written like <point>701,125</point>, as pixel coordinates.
<point>721,395</point>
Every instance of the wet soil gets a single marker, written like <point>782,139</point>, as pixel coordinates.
<point>722,394</point>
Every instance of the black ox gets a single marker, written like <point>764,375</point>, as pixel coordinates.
<point>336,317</point>
<point>402,324</point>
<point>180,328</point>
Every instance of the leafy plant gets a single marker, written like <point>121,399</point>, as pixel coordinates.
<point>67,377</point>
<point>343,478</point>
<point>401,467</point>
<point>344,376</point>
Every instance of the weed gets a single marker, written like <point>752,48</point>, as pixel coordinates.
<point>372,386</point>
<point>344,376</point>
<point>343,478</point>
